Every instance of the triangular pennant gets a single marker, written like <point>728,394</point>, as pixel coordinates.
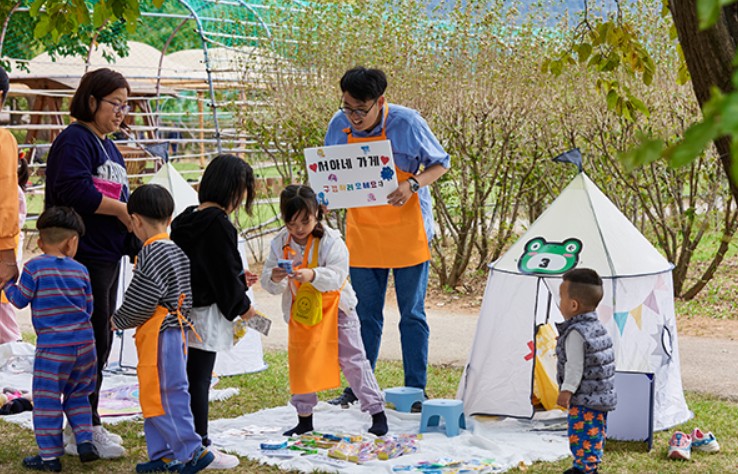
<point>605,313</point>
<point>651,303</point>
<point>636,313</point>
<point>620,320</point>
<point>659,282</point>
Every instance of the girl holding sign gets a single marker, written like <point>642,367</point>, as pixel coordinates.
<point>319,305</point>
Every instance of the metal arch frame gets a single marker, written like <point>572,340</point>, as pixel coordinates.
<point>200,31</point>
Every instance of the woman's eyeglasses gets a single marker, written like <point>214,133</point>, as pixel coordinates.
<point>118,108</point>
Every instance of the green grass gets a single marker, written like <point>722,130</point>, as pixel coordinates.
<point>270,389</point>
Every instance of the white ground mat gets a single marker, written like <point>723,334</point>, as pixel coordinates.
<point>507,441</point>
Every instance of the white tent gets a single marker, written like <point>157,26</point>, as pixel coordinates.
<point>246,356</point>
<point>582,228</point>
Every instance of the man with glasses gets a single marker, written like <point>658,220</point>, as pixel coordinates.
<point>394,236</point>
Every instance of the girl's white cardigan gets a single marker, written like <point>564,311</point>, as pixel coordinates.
<point>330,274</point>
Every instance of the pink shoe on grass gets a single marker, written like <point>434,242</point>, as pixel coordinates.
<point>680,446</point>
<point>704,441</point>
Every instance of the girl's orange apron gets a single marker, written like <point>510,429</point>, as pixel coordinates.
<point>386,236</point>
<point>313,350</point>
<point>147,346</point>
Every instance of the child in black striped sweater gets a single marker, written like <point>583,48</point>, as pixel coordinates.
<point>156,303</point>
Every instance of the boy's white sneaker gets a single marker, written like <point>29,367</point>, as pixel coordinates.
<point>69,438</point>
<point>222,460</point>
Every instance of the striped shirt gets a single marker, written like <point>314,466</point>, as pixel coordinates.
<point>162,273</point>
<point>60,294</point>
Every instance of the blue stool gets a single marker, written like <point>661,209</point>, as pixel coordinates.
<point>452,412</point>
<point>403,397</point>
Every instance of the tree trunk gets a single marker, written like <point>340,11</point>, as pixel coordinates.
<point>709,56</point>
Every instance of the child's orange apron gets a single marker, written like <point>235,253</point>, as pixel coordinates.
<point>313,350</point>
<point>386,236</point>
<point>147,347</point>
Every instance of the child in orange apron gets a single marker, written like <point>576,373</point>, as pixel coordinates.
<point>156,303</point>
<point>324,330</point>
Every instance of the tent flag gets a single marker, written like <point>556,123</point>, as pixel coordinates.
<point>605,313</point>
<point>659,283</point>
<point>620,319</point>
<point>636,313</point>
<point>651,303</point>
<point>573,156</point>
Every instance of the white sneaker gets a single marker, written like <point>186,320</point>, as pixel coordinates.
<point>106,446</point>
<point>69,438</point>
<point>117,439</point>
<point>222,460</point>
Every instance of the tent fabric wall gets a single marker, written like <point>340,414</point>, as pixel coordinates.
<point>637,308</point>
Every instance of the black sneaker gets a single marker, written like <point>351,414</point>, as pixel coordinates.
<point>38,464</point>
<point>345,399</point>
<point>87,452</point>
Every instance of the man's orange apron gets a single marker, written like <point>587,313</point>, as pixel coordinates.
<point>313,350</point>
<point>386,236</point>
<point>147,346</point>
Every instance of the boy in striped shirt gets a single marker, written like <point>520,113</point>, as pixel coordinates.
<point>156,303</point>
<point>65,365</point>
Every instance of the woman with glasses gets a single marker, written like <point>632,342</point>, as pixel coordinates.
<point>86,171</point>
<point>394,236</point>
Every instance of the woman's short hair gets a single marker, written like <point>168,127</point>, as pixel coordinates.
<point>225,181</point>
<point>98,84</point>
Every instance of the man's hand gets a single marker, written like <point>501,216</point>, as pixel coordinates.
<point>400,196</point>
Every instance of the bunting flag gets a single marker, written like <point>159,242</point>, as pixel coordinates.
<point>605,314</point>
<point>636,313</point>
<point>620,320</point>
<point>659,282</point>
<point>651,303</point>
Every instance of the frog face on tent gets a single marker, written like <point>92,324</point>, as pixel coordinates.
<point>550,258</point>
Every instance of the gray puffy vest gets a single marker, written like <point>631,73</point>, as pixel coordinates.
<point>597,388</point>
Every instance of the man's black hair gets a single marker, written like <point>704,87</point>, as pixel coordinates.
<point>225,181</point>
<point>58,223</point>
<point>364,84</point>
<point>152,202</point>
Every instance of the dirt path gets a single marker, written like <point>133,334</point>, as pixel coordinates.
<point>708,348</point>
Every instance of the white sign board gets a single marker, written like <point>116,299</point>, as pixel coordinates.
<point>355,175</point>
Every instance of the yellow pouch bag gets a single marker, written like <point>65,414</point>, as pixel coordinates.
<point>307,303</point>
<point>545,387</point>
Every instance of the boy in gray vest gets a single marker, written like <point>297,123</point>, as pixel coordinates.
<point>586,368</point>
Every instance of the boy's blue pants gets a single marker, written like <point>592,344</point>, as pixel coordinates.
<point>172,435</point>
<point>586,436</point>
<point>69,372</point>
